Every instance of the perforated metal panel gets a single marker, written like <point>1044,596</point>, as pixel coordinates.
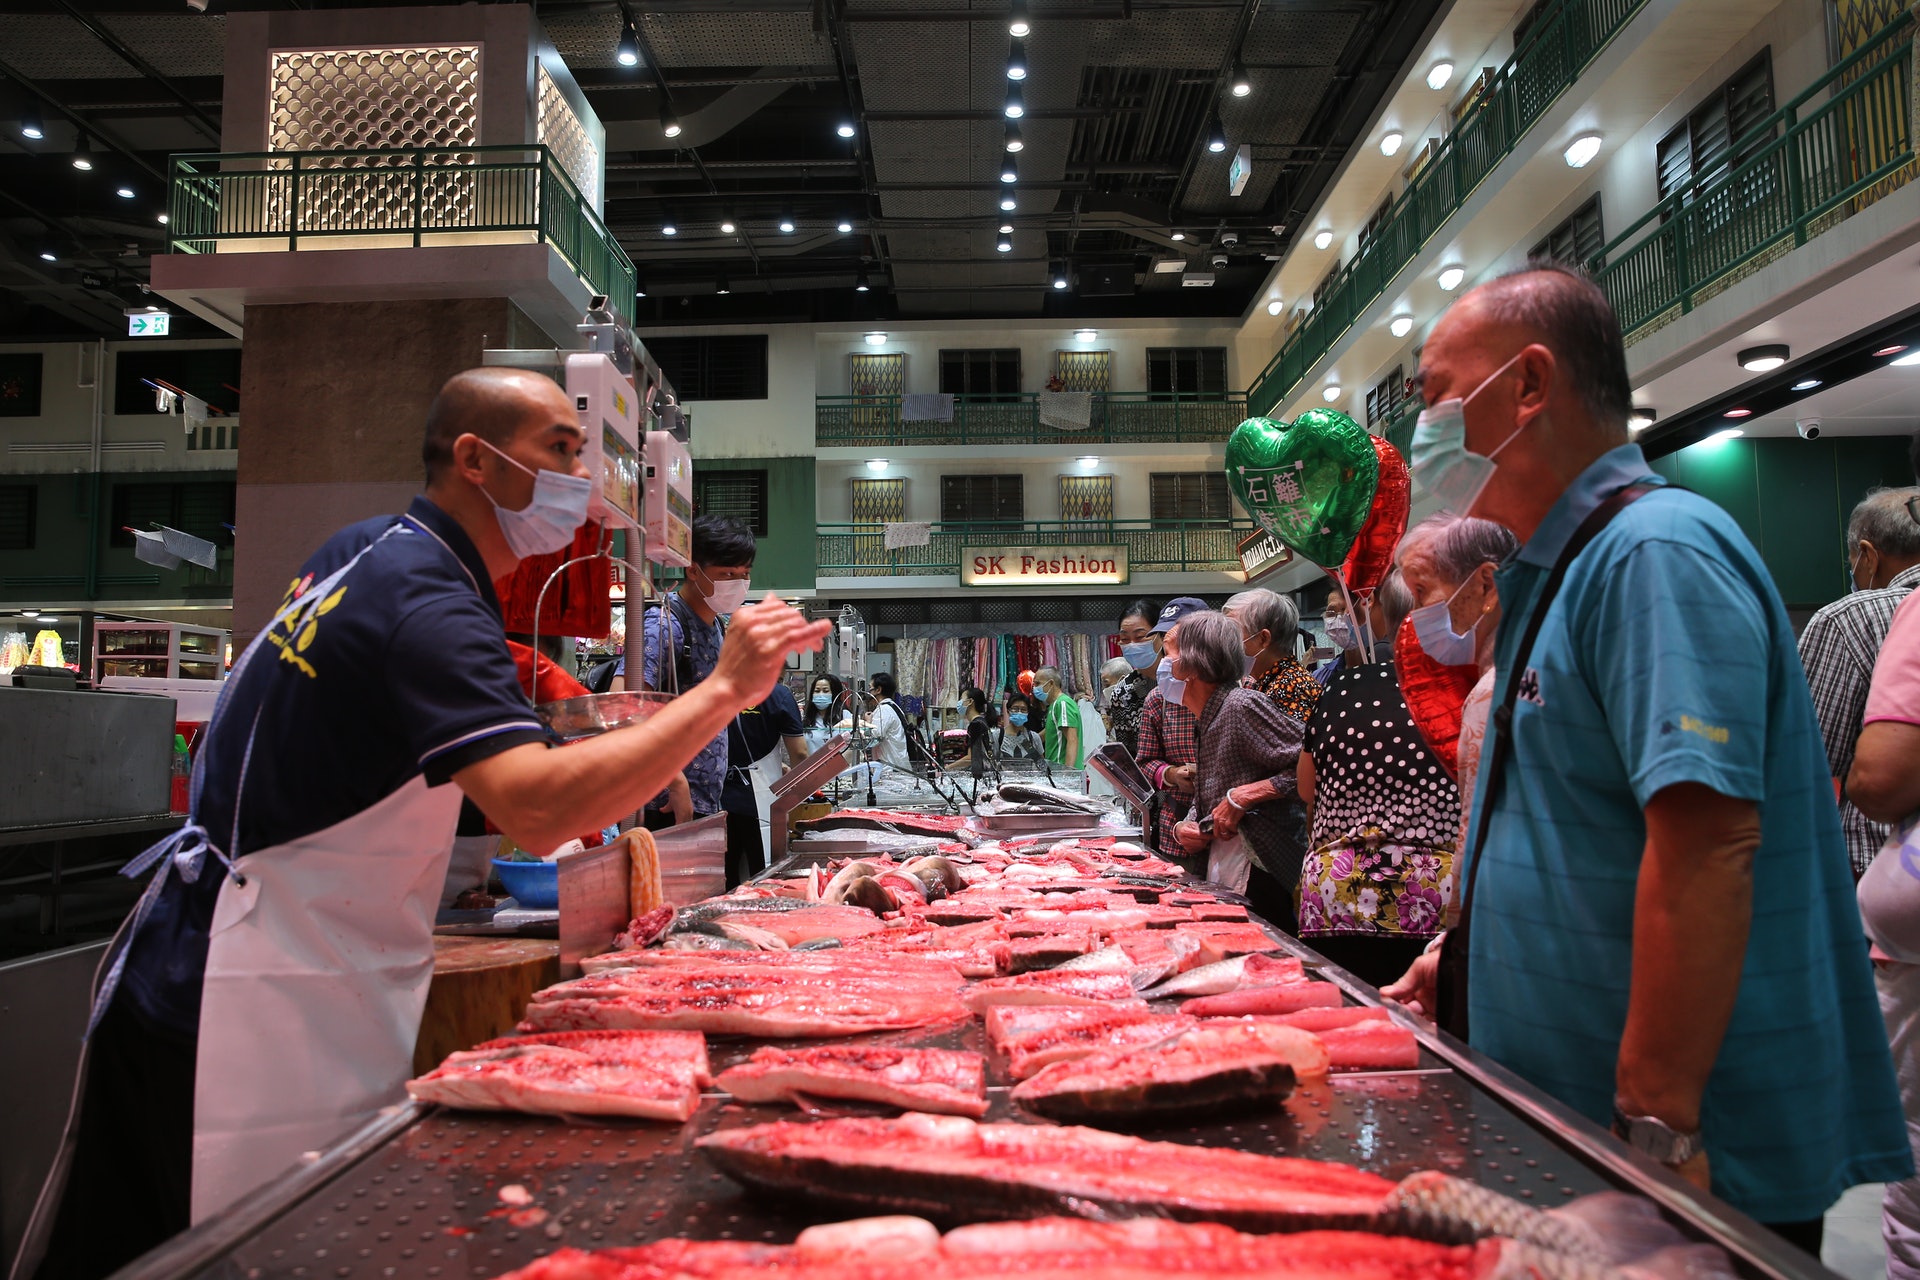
<point>47,46</point>
<point>743,38</point>
<point>375,98</point>
<point>560,128</point>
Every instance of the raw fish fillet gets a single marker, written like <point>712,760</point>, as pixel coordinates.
<point>1359,1038</point>
<point>939,1080</point>
<point>1288,997</point>
<point>1037,1036</point>
<point>957,1169</point>
<point>902,1248</point>
<point>657,1075</point>
<point>1200,1071</point>
<point>1049,987</point>
<point>1044,952</point>
<point>1230,975</point>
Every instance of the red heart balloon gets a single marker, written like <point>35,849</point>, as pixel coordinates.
<point>1372,553</point>
<point>1435,694</point>
<point>1025,682</point>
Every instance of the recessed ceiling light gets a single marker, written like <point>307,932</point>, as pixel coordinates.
<point>1450,278</point>
<point>1178,236</point>
<point>1390,142</point>
<point>844,227</point>
<point>1085,335</point>
<point>1764,359</point>
<point>1641,418</point>
<point>1322,238</point>
<point>1275,306</point>
<point>1439,74</point>
<point>1807,384</point>
<point>1906,361</point>
<point>876,464</point>
<point>1722,436</point>
<point>876,339</point>
<point>1894,350</point>
<point>1738,413</point>
<point>846,129</point>
<point>1581,151</point>
<point>1331,393</point>
<point>1401,325</point>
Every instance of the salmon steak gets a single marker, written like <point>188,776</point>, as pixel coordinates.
<point>1050,986</point>
<point>939,1080</point>
<point>656,1075</point>
<point>1203,1070</point>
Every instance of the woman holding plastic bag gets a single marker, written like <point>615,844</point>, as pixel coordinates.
<point>1246,818</point>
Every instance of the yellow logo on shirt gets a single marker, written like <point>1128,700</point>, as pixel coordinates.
<point>1711,732</point>
<point>296,632</point>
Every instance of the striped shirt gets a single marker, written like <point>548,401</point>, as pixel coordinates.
<point>1838,650</point>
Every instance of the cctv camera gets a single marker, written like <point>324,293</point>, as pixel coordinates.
<point>1229,238</point>
<point>1219,261</point>
<point>1809,428</point>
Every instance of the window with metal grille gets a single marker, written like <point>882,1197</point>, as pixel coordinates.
<point>213,376</point>
<point>740,495</point>
<point>1577,239</point>
<point>201,507</point>
<point>1721,132</point>
<point>996,499</point>
<point>1529,21</point>
<point>1187,370</point>
<point>983,371</point>
<point>20,384</point>
<point>1189,495</point>
<point>715,367</point>
<point>1384,400</point>
<point>17,509</point>
<point>1377,221</point>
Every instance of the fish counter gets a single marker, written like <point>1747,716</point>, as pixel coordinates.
<point>1062,1052</point>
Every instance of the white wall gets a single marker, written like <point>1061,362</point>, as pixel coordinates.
<point>1040,467</point>
<point>66,417</point>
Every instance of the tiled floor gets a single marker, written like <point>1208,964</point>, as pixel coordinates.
<point>1853,1245</point>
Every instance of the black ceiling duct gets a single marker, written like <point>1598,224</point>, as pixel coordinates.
<point>1106,279</point>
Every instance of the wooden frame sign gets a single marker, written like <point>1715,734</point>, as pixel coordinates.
<point>1261,554</point>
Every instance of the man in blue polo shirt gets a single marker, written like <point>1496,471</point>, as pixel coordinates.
<point>1663,928</point>
<point>265,996</point>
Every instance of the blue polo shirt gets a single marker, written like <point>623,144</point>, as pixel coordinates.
<point>1667,657</point>
<point>706,772</point>
<point>407,675</point>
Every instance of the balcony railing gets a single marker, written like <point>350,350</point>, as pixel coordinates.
<point>1153,546</point>
<point>401,198</point>
<point>1570,37</point>
<point>1118,417</point>
<point>1825,156</point>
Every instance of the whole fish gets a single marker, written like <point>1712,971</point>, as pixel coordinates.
<point>1048,798</point>
<point>1229,975</point>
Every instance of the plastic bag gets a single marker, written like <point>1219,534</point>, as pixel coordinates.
<point>1890,895</point>
<point>1229,864</point>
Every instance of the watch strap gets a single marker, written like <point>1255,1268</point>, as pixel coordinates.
<point>1656,1139</point>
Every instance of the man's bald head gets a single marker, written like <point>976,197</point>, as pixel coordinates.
<point>491,403</point>
<point>1562,309</point>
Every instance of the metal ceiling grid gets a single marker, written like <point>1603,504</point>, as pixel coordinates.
<point>52,46</point>
<point>1293,38</point>
<point>1163,37</point>
<point>745,37</point>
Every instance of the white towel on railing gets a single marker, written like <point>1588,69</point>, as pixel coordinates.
<point>1066,410</point>
<point>908,533</point>
<point>926,407</point>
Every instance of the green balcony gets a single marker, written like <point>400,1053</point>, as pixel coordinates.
<point>398,198</point>
<point>1153,546</point>
<point>1118,417</point>
<point>1825,155</point>
<point>1571,35</point>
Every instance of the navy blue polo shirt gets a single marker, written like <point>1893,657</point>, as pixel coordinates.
<point>408,674</point>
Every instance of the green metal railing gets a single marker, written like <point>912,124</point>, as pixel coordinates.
<point>1570,36</point>
<point>437,195</point>
<point>1118,417</point>
<point>1153,546</point>
<point>1823,157</point>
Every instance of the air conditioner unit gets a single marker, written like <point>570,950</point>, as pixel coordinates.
<point>1167,266</point>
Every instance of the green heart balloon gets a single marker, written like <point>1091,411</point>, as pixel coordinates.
<point>1309,484</point>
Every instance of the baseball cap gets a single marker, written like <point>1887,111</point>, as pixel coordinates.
<point>1176,609</point>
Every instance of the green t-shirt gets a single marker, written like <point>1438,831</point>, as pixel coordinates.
<point>1063,713</point>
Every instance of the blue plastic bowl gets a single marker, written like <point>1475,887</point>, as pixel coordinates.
<point>535,885</point>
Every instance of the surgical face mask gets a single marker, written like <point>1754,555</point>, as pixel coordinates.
<point>548,522</point>
<point>1341,633</point>
<point>1018,719</point>
<point>1441,461</point>
<point>1171,689</point>
<point>1248,661</point>
<point>1139,655</point>
<point>1433,625</point>
<point>962,706</point>
<point>823,700</point>
<point>724,595</point>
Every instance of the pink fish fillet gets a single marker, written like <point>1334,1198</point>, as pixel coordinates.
<point>1288,997</point>
<point>657,1075</point>
<point>1050,987</point>
<point>939,1080</point>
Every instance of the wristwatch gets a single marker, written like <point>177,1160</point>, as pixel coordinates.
<point>1655,1139</point>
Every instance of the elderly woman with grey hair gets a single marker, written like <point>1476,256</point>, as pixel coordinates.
<point>1272,627</point>
<point>1244,773</point>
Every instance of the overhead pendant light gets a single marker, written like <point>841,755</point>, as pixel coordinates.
<point>30,126</point>
<point>1016,103</point>
<point>844,227</point>
<point>1323,238</point>
<point>1390,142</point>
<point>1004,244</point>
<point>1017,59</point>
<point>669,123</point>
<point>1439,74</point>
<point>1178,236</point>
<point>1331,393</point>
<point>83,155</point>
<point>1450,278</point>
<point>1401,325</point>
<point>846,129</point>
<point>720,286</point>
<point>48,255</point>
<point>164,219</point>
<point>1009,169</point>
<point>1008,202</point>
<point>1006,228</point>
<point>727,224</point>
<point>1216,136</point>
<point>1242,83</point>
<point>1581,151</point>
<point>1640,418</point>
<point>1017,23</point>
<point>786,222</point>
<point>1060,276</point>
<point>860,282</point>
<point>627,53</point>
<point>669,228</point>
<point>639,285</point>
<point>125,193</point>
<point>1764,359</point>
<point>1014,141</point>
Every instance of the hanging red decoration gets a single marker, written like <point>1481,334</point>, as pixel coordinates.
<point>1372,554</point>
<point>1435,694</point>
<point>578,603</point>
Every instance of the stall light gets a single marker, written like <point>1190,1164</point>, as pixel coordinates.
<point>639,285</point>
<point>1016,104</point>
<point>1178,236</point>
<point>1764,359</point>
<point>668,228</point>
<point>1581,151</point>
<point>1216,136</point>
<point>1084,335</point>
<point>669,123</point>
<point>125,193</point>
<point>1088,462</point>
<point>846,129</point>
<point>876,339</point>
<point>1322,238</point>
<point>1721,437</point>
<point>1401,325</point>
<point>1009,168</point>
<point>1275,306</point>
<point>1390,142</point>
<point>721,287</point>
<point>1738,413</point>
<point>1003,245</point>
<point>1060,277</point>
<point>1008,203</point>
<point>786,222</point>
<point>1807,384</point>
<point>30,126</point>
<point>627,53</point>
<point>876,465</point>
<point>844,227</point>
<point>1641,418</point>
<point>1893,350</point>
<point>727,224</point>
<point>1906,361</point>
<point>83,155</point>
<point>47,617</point>
<point>860,282</point>
<point>1242,82</point>
<point>1017,23</point>
<point>1014,141</point>
<point>1006,228</point>
<point>1439,74</point>
<point>1450,278</point>
<point>1017,59</point>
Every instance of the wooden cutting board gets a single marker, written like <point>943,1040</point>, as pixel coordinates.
<point>480,989</point>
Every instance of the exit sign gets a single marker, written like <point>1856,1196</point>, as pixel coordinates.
<point>149,324</point>
<point>1240,169</point>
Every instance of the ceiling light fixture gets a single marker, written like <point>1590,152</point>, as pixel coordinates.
<point>1084,335</point>
<point>1009,168</point>
<point>639,285</point>
<point>1322,238</point>
<point>786,222</point>
<point>1004,244</point>
<point>720,286</point>
<point>1764,359</point>
<point>876,464</point>
<point>1059,275</point>
<point>1017,59</point>
<point>844,227</point>
<point>1738,413</point>
<point>727,224</point>
<point>1894,350</point>
<point>1439,74</point>
<point>1017,23</point>
<point>669,123</point>
<point>1807,384</point>
<point>668,228</point>
<point>1331,393</point>
<point>1275,306</point>
<point>1721,437</point>
<point>48,255</point>
<point>1087,461</point>
<point>125,193</point>
<point>1178,236</point>
<point>1641,418</point>
<point>1390,142</point>
<point>1906,361</point>
<point>1242,83</point>
<point>1008,203</point>
<point>846,129</point>
<point>1014,141</point>
<point>1401,325</point>
<point>876,339</point>
<point>164,219</point>
<point>1581,151</point>
<point>1006,228</point>
<point>30,126</point>
<point>627,52</point>
<point>860,282</point>
<point>1216,136</point>
<point>83,155</point>
<point>1016,103</point>
<point>1450,278</point>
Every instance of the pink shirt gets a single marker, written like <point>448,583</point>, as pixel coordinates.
<point>1895,692</point>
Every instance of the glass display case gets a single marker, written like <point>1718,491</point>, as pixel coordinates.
<point>159,651</point>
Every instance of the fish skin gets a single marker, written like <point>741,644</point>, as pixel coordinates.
<point>1288,997</point>
<point>931,1080</point>
<point>1049,987</point>
<point>1207,980</point>
<point>1199,1071</point>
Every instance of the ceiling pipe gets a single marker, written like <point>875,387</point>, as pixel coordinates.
<point>697,128</point>
<point>207,123</point>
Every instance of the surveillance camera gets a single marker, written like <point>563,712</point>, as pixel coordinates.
<point>1219,261</point>
<point>1229,238</point>
<point>1809,428</point>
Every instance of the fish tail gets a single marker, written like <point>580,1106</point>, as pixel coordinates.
<point>1436,1206</point>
